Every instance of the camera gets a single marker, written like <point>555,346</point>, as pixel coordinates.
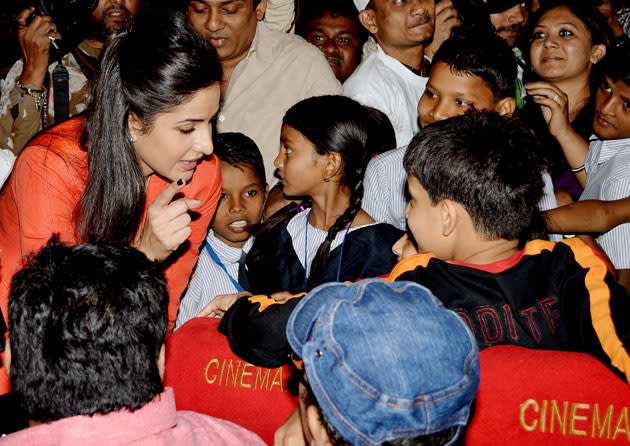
<point>72,17</point>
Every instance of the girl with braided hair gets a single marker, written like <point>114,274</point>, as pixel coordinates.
<point>326,143</point>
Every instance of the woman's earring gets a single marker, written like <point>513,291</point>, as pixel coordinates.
<point>132,138</point>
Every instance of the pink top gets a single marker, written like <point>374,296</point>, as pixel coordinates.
<point>156,423</point>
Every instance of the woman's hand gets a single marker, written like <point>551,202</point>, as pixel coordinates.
<point>221,304</point>
<point>167,223</point>
<point>35,43</point>
<point>554,105</point>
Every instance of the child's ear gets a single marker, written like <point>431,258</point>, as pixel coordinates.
<point>597,53</point>
<point>367,19</point>
<point>266,194</point>
<point>449,216</point>
<point>505,106</point>
<point>315,425</point>
<point>333,165</point>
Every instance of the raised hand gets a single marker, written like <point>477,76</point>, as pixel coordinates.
<point>167,223</point>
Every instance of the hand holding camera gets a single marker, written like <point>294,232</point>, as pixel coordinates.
<point>36,35</point>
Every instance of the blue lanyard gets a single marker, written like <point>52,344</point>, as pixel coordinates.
<point>218,261</point>
<point>343,243</point>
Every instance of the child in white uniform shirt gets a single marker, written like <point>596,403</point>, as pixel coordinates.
<point>243,196</point>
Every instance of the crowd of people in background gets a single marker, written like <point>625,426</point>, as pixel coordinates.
<point>358,189</point>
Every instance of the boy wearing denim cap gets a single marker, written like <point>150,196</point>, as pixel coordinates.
<point>382,363</point>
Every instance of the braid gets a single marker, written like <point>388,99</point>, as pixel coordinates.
<point>320,262</point>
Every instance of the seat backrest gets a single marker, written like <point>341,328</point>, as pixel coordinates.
<point>544,397</point>
<point>208,378</point>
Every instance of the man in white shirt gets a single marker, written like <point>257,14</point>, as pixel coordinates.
<point>392,78</point>
<point>265,72</point>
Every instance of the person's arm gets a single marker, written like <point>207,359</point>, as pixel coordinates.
<point>592,216</point>
<point>554,105</point>
<point>280,14</point>
<point>446,19</point>
<point>24,93</point>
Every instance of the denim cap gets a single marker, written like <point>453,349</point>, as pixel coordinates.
<point>361,4</point>
<point>385,361</point>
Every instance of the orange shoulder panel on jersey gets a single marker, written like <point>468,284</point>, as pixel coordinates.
<point>266,301</point>
<point>409,264</point>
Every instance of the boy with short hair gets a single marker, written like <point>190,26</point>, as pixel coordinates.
<point>470,71</point>
<point>474,184</point>
<point>219,269</point>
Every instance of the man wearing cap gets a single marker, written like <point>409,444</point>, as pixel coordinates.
<point>265,72</point>
<point>509,17</point>
<point>393,77</point>
<point>382,362</point>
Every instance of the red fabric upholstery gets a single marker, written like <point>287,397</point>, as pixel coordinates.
<point>543,397</point>
<point>208,378</point>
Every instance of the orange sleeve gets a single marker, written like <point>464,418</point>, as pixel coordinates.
<point>38,201</point>
<point>205,186</point>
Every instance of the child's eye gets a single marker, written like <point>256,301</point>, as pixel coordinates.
<point>565,33</point>
<point>606,87</point>
<point>429,94</point>
<point>230,11</point>
<point>627,105</point>
<point>317,38</point>
<point>344,40</point>
<point>287,150</point>
<point>251,193</point>
<point>462,103</point>
<point>222,196</point>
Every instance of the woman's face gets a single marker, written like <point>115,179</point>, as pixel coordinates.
<point>178,138</point>
<point>561,46</point>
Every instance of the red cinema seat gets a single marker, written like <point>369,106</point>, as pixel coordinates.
<point>208,378</point>
<point>544,397</point>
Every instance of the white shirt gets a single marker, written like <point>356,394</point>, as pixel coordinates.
<point>608,178</point>
<point>384,196</point>
<point>382,82</point>
<point>209,279</point>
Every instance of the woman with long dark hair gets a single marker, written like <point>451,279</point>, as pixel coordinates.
<point>568,38</point>
<point>131,170</point>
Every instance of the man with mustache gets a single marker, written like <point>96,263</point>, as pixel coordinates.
<point>509,17</point>
<point>265,72</point>
<point>31,97</point>
<point>392,78</point>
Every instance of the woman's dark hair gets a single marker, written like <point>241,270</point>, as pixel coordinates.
<point>332,124</point>
<point>589,15</point>
<point>148,71</point>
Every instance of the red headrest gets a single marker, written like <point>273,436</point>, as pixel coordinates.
<point>208,378</point>
<point>536,397</point>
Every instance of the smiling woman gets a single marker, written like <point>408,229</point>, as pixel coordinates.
<point>129,171</point>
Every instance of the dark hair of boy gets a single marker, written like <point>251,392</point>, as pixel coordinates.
<point>316,9</point>
<point>616,63</point>
<point>481,54</point>
<point>238,149</point>
<point>86,327</point>
<point>489,165</point>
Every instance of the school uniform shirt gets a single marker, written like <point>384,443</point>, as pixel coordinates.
<point>156,423</point>
<point>384,83</point>
<point>607,167</point>
<point>367,252</point>
<point>385,183</point>
<point>279,70</point>
<point>555,296</point>
<point>209,279</point>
